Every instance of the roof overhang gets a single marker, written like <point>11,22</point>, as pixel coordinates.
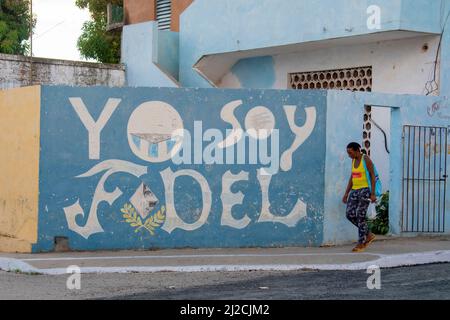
<point>213,67</point>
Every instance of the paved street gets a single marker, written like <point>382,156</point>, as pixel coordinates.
<point>411,268</point>
<point>385,252</point>
<point>419,282</point>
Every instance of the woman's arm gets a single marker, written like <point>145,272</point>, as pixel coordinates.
<point>347,191</point>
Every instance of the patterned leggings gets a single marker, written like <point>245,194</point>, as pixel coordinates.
<point>357,204</point>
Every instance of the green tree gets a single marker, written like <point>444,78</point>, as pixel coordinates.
<point>15,18</point>
<point>95,42</point>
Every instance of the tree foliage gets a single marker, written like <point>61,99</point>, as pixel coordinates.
<point>95,42</point>
<point>15,18</point>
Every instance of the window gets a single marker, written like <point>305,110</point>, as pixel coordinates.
<point>163,14</point>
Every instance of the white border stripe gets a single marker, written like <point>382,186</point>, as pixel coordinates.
<point>201,256</point>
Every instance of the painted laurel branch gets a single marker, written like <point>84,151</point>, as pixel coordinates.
<point>151,224</point>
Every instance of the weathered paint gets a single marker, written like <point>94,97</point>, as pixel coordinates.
<point>392,62</point>
<point>241,26</point>
<point>344,111</point>
<point>70,173</point>
<point>303,35</point>
<point>15,71</point>
<point>104,186</point>
<point>19,168</point>
<point>140,56</point>
<point>258,73</point>
<point>293,30</point>
<point>168,52</point>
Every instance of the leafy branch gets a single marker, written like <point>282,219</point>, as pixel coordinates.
<point>153,222</point>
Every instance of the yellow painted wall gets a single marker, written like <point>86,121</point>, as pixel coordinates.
<point>19,168</point>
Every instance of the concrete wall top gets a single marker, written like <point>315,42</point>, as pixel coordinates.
<point>19,71</point>
<point>10,57</point>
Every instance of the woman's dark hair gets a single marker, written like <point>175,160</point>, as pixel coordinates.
<point>354,146</point>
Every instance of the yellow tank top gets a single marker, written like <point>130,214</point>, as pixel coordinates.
<point>359,177</point>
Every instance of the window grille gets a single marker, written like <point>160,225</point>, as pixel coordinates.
<point>163,14</point>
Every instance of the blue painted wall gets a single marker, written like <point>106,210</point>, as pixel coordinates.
<point>444,22</point>
<point>167,59</point>
<point>168,52</point>
<point>344,111</point>
<point>75,177</point>
<point>139,53</point>
<point>422,15</point>
<point>253,24</point>
<point>257,73</point>
<point>65,156</point>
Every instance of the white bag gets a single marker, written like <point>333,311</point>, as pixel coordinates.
<point>371,211</point>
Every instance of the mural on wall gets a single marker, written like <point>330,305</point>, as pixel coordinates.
<point>178,167</point>
<point>150,131</point>
<point>153,222</point>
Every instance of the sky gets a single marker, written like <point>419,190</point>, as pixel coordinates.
<point>58,27</point>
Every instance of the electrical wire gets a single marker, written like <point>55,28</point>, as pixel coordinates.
<point>384,134</point>
<point>48,30</point>
<point>432,85</point>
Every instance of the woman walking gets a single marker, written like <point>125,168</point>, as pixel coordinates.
<point>359,194</point>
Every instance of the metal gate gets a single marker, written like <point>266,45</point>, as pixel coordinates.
<point>424,178</point>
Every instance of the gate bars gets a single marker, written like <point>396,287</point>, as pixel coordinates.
<point>424,178</point>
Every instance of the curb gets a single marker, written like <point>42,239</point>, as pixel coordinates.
<point>385,261</point>
<point>15,265</point>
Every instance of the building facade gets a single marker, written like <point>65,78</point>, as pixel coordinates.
<point>397,47</point>
<point>322,73</point>
<point>165,12</point>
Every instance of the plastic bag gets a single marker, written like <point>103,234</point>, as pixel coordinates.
<point>372,211</point>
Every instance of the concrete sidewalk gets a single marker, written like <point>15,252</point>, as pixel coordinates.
<point>385,252</point>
